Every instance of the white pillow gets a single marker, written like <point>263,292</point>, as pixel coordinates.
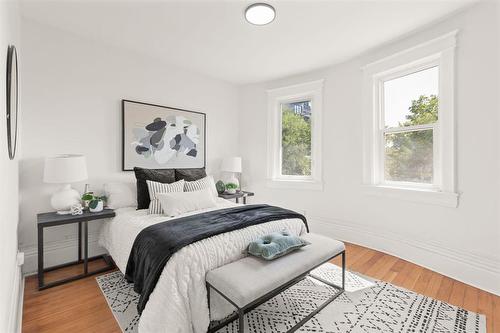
<point>201,184</point>
<point>156,188</point>
<point>177,203</point>
<point>120,194</point>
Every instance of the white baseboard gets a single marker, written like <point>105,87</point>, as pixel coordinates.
<point>58,252</point>
<point>20,305</point>
<point>478,271</point>
<point>16,307</point>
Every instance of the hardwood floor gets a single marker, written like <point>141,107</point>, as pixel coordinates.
<point>80,307</point>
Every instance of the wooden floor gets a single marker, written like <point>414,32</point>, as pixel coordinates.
<point>80,307</point>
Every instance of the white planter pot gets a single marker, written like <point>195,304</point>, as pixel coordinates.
<point>98,208</point>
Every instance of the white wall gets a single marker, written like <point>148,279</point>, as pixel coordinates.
<point>72,89</point>
<point>10,273</point>
<point>463,243</point>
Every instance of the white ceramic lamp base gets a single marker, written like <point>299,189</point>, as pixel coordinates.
<point>62,200</point>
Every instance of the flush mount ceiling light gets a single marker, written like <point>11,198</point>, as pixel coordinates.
<point>260,14</point>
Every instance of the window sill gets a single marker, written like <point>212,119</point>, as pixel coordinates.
<point>426,196</point>
<point>315,185</point>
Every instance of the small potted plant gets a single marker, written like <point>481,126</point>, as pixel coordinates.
<point>96,204</point>
<point>231,188</point>
<point>87,198</point>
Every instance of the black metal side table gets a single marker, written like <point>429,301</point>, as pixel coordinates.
<point>45,220</point>
<point>237,196</point>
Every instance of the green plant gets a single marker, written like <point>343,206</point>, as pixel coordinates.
<point>87,197</point>
<point>231,186</point>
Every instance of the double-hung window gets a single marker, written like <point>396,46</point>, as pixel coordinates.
<point>409,128</point>
<point>294,136</point>
<point>409,132</point>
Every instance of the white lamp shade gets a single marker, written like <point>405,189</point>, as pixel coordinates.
<point>65,169</point>
<point>231,164</point>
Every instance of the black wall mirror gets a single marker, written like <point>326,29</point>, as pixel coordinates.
<point>12,100</point>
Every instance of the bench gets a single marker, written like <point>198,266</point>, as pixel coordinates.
<point>251,281</point>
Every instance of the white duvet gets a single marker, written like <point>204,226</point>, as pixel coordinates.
<point>178,303</point>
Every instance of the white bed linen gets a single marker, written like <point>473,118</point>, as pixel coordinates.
<point>178,304</point>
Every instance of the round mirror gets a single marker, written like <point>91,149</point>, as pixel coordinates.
<point>12,100</point>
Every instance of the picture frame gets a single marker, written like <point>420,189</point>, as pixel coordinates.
<point>162,137</point>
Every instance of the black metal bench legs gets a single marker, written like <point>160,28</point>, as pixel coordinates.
<point>240,313</point>
<point>241,324</point>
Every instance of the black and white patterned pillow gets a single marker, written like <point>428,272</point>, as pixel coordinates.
<point>156,187</point>
<point>201,184</point>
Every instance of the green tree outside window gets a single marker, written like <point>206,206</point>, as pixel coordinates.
<point>296,142</point>
<point>409,155</point>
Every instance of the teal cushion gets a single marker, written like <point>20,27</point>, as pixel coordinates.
<point>275,245</point>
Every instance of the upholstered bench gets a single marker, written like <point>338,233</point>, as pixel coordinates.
<point>251,281</point>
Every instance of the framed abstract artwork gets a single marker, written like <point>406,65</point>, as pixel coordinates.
<point>161,137</point>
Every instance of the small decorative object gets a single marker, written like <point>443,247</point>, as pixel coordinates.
<point>231,188</point>
<point>96,204</point>
<point>220,187</point>
<point>12,100</point>
<point>232,165</point>
<point>160,137</point>
<point>77,209</point>
<point>65,169</point>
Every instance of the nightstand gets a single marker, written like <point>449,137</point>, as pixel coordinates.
<point>46,220</point>
<point>237,196</point>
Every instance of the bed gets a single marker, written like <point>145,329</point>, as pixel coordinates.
<point>179,301</point>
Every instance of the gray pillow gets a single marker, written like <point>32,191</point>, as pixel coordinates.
<point>190,175</point>
<point>275,245</point>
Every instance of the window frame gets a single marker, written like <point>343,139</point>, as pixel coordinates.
<point>437,52</point>
<point>311,91</point>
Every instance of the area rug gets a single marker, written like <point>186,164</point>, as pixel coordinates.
<point>366,306</point>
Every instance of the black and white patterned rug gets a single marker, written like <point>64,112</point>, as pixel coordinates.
<point>366,306</point>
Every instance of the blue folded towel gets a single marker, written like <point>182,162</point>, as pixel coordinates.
<point>275,245</point>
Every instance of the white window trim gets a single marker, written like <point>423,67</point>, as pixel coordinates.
<point>307,91</point>
<point>437,52</point>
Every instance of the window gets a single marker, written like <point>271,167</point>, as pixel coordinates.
<point>409,132</point>
<point>410,111</point>
<point>294,136</point>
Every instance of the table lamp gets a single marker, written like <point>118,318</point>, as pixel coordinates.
<point>233,166</point>
<point>65,169</point>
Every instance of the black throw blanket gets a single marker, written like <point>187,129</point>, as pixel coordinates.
<point>155,244</point>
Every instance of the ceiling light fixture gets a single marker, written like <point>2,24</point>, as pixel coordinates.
<point>260,14</point>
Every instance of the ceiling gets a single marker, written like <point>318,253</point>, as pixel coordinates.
<point>212,37</point>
